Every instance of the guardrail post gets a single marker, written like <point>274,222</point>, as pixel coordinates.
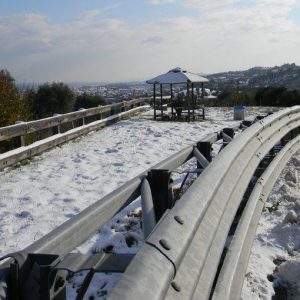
<point>229,132</point>
<point>58,126</point>
<point>159,180</point>
<point>83,118</point>
<point>205,149</point>
<point>22,137</point>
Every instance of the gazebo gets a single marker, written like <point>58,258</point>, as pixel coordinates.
<point>177,76</point>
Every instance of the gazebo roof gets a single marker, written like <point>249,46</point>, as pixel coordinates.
<point>177,76</point>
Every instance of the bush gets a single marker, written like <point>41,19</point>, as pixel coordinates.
<point>53,98</point>
<point>88,101</point>
<point>277,96</point>
<point>12,106</point>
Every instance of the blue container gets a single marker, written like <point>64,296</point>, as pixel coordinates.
<point>239,112</point>
<point>239,107</point>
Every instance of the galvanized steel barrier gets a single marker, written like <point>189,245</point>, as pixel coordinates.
<point>180,260</point>
<point>184,239</point>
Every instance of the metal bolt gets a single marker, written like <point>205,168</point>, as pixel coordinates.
<point>176,286</point>
<point>164,243</point>
<point>179,220</point>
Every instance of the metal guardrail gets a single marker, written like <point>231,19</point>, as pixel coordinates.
<point>179,261</point>
<point>185,239</point>
<point>231,277</point>
<point>57,244</point>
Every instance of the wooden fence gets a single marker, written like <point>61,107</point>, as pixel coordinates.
<point>81,123</point>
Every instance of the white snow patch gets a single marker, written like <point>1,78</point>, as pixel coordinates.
<point>275,256</point>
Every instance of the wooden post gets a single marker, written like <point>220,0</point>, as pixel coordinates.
<point>202,96</point>
<point>154,102</point>
<point>83,118</point>
<point>188,100</point>
<point>22,137</point>
<point>193,100</point>
<point>172,108</point>
<point>161,102</point>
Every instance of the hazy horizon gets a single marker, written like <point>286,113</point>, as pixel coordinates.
<point>110,41</point>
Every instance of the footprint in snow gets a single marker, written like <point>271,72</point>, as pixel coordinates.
<point>111,151</point>
<point>23,214</point>
<point>25,199</point>
<point>68,200</point>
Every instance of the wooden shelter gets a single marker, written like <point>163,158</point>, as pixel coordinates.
<point>177,76</point>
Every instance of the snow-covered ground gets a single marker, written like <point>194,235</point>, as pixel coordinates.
<point>275,257</point>
<point>38,195</point>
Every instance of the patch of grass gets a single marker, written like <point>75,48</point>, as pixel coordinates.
<point>273,208</point>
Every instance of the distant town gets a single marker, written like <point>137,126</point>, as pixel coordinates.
<point>287,75</point>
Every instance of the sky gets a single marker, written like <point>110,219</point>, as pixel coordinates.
<point>127,40</point>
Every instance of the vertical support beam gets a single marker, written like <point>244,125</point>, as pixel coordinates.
<point>229,132</point>
<point>205,149</point>
<point>22,137</point>
<point>149,220</point>
<point>159,181</point>
<point>83,118</point>
<point>161,102</point>
<point>188,99</point>
<point>58,126</point>
<point>172,108</point>
<point>202,96</point>
<point>154,102</point>
<point>193,102</point>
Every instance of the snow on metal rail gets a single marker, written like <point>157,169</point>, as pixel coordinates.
<point>53,250</point>
<point>180,259</point>
<point>184,242</point>
<point>106,115</point>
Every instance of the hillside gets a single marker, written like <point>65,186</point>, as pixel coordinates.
<point>287,75</point>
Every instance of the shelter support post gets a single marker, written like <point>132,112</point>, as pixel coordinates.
<point>193,100</point>
<point>161,102</point>
<point>188,100</point>
<point>172,108</point>
<point>154,102</point>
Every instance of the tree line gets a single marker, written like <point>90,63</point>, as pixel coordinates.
<point>48,99</point>
<point>267,96</point>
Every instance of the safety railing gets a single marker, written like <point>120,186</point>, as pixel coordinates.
<point>180,259</point>
<point>54,248</point>
<point>105,115</point>
<point>185,237</point>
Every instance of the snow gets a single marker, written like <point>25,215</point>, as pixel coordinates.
<point>176,76</point>
<point>39,194</point>
<point>274,264</point>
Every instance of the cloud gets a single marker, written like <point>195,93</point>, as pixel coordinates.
<point>206,4</point>
<point>157,2</point>
<point>153,40</point>
<point>94,47</point>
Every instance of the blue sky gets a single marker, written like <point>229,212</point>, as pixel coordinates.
<point>107,40</point>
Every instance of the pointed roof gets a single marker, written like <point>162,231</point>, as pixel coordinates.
<point>176,76</point>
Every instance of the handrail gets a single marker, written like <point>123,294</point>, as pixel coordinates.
<point>231,277</point>
<point>23,128</point>
<point>207,210</point>
<point>25,152</point>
